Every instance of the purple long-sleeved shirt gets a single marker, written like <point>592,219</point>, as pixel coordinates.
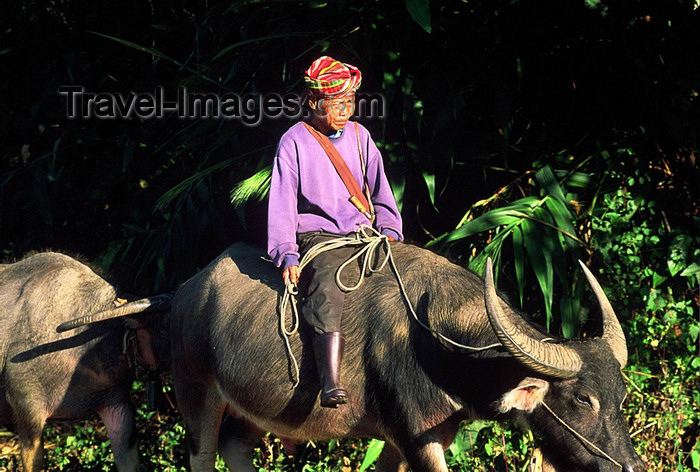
<point>307,194</point>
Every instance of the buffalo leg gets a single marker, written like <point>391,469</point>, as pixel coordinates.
<point>391,460</point>
<point>30,421</point>
<point>237,438</point>
<point>32,448</point>
<point>202,409</point>
<point>119,421</point>
<point>429,457</point>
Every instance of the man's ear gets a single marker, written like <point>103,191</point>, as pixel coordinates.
<point>525,397</point>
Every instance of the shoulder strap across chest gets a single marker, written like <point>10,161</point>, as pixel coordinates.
<point>358,198</point>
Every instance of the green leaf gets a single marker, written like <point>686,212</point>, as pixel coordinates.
<point>398,186</point>
<point>492,250</point>
<point>678,253</point>
<point>695,457</point>
<point>692,270</point>
<point>373,451</point>
<point>658,279</point>
<point>519,261</point>
<point>430,184</point>
<point>694,331</point>
<point>547,179</point>
<point>570,308</point>
<point>541,261</point>
<point>579,180</point>
<point>563,219</point>
<point>246,42</point>
<point>255,187</point>
<point>176,191</point>
<point>490,220</point>
<point>332,445</point>
<point>465,439</point>
<point>420,12</point>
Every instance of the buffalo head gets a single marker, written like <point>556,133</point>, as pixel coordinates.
<point>573,397</point>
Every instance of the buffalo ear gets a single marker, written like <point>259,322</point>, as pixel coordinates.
<point>525,397</point>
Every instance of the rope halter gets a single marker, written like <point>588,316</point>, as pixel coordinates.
<point>598,451</point>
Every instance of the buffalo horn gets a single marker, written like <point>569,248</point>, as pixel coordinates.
<point>612,331</point>
<point>145,305</point>
<point>555,360</point>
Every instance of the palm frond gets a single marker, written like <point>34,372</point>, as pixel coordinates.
<point>256,187</point>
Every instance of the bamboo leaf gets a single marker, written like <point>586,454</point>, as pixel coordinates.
<point>398,187</point>
<point>239,44</point>
<point>420,12</point>
<point>549,182</point>
<point>255,187</point>
<point>152,51</point>
<point>429,180</point>
<point>550,225</point>
<point>541,261</point>
<point>578,180</point>
<point>487,221</point>
<point>492,250</point>
<point>156,53</point>
<point>563,219</point>
<point>165,199</point>
<point>570,308</point>
<point>519,261</point>
<point>483,223</point>
<point>559,265</point>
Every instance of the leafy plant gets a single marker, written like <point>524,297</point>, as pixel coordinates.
<point>543,236</point>
<point>654,269</point>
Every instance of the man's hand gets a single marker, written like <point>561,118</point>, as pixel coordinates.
<point>291,274</point>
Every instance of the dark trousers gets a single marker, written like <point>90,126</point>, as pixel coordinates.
<point>322,305</point>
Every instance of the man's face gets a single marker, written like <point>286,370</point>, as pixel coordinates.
<point>332,114</point>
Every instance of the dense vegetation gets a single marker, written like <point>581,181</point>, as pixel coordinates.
<point>538,133</point>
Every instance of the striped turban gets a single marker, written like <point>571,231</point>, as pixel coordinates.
<point>330,78</point>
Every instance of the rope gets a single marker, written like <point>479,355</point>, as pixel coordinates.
<point>581,438</point>
<point>371,240</point>
<point>290,293</point>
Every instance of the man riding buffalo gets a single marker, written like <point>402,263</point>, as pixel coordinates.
<point>328,181</point>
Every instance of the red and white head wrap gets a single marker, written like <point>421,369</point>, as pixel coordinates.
<point>329,78</point>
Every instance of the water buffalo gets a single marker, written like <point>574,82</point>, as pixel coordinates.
<point>406,385</point>
<point>50,376</point>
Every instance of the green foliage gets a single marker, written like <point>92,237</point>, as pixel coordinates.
<point>653,267</point>
<point>374,449</point>
<point>542,233</point>
<point>254,187</point>
<point>650,262</point>
<point>478,107</point>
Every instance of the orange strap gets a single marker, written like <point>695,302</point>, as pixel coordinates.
<point>357,198</point>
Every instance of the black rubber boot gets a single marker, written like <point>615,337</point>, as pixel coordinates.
<point>328,348</point>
